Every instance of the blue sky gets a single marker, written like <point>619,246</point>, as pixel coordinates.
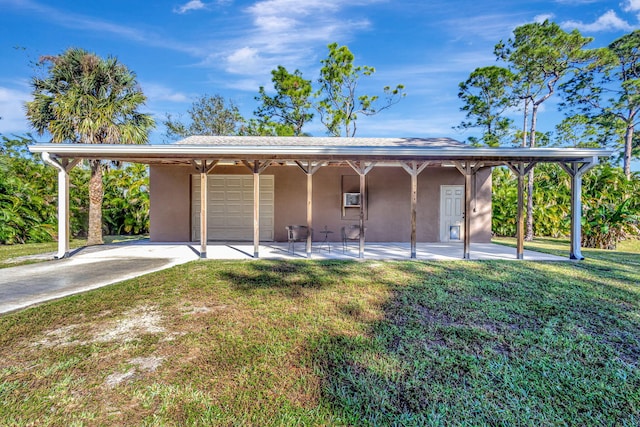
<point>182,49</point>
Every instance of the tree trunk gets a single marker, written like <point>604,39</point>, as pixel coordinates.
<point>95,204</point>
<point>532,143</point>
<point>628,146</point>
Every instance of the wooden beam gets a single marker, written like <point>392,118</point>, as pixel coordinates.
<point>467,211</point>
<point>363,208</point>
<point>362,169</point>
<point>203,212</point>
<point>309,208</point>
<point>413,169</point>
<point>256,209</point>
<point>520,218</point>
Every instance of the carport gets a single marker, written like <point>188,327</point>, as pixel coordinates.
<point>413,155</point>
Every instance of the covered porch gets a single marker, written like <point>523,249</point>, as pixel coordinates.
<point>362,155</point>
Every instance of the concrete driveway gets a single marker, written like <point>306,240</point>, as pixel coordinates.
<point>88,268</point>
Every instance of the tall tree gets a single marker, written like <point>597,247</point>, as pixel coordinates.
<point>340,104</point>
<point>290,106</point>
<point>540,55</point>
<point>209,115</point>
<point>609,91</point>
<point>87,99</point>
<point>486,97</point>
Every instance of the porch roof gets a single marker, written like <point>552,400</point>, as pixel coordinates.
<point>315,148</point>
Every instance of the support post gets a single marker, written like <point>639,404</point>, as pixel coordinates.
<point>576,170</point>
<point>256,211</point>
<point>520,170</point>
<point>520,219</point>
<point>362,169</point>
<point>363,209</point>
<point>204,168</point>
<point>256,168</point>
<point>467,212</point>
<point>467,171</point>
<point>309,210</point>
<point>413,169</point>
<point>203,214</point>
<point>63,167</point>
<point>309,169</point>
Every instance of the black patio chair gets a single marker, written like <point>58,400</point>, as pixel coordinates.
<point>297,233</point>
<point>350,232</point>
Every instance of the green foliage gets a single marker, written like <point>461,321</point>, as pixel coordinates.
<point>85,98</point>
<point>608,92</point>
<point>610,212</point>
<point>540,55</point>
<point>27,195</point>
<point>208,115</point>
<point>486,97</point>
<point>126,200</point>
<point>290,106</point>
<point>340,104</point>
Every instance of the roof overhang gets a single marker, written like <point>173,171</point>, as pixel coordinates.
<point>354,149</point>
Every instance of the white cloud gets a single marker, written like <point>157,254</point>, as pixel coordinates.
<point>544,17</point>
<point>285,31</point>
<point>607,22</point>
<point>189,6</point>
<point>631,6</point>
<point>12,111</point>
<point>157,92</point>
<point>245,60</point>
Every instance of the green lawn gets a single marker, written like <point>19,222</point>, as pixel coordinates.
<point>335,343</point>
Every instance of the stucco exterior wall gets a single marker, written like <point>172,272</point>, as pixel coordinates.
<point>169,203</point>
<point>388,199</point>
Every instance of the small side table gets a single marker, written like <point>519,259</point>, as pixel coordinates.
<point>325,243</point>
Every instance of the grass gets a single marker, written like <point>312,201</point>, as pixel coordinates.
<point>15,255</point>
<point>335,343</point>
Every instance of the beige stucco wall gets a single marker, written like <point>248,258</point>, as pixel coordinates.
<point>169,203</point>
<point>388,218</point>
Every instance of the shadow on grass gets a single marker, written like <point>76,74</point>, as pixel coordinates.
<point>490,343</point>
<point>290,277</point>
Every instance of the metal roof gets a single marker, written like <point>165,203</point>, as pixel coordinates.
<point>312,148</point>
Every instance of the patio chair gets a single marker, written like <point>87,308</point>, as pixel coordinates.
<point>297,233</point>
<point>350,232</point>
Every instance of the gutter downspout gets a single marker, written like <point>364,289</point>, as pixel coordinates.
<point>63,204</point>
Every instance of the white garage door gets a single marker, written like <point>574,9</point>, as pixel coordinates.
<point>230,207</point>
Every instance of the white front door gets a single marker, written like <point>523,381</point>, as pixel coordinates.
<point>451,213</point>
<point>230,207</point>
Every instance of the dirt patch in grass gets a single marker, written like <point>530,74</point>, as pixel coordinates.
<point>133,324</point>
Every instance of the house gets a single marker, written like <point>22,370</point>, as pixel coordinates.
<point>222,188</point>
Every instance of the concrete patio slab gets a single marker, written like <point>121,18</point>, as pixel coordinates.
<point>374,251</point>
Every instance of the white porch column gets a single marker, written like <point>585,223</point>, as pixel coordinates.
<point>63,166</point>
<point>576,170</point>
<point>256,169</point>
<point>204,168</point>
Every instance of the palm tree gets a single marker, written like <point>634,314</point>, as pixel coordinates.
<point>87,99</point>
